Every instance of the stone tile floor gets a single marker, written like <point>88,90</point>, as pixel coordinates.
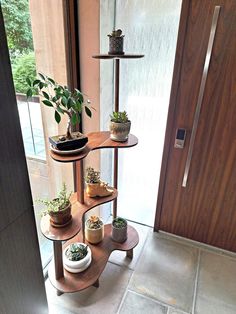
<point>168,275</point>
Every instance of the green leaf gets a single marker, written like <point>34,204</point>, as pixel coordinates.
<point>64,101</point>
<point>74,119</point>
<point>51,81</point>
<point>28,81</point>
<point>57,117</point>
<point>47,103</point>
<point>66,93</point>
<point>35,82</point>
<point>42,76</point>
<point>88,111</point>
<point>29,93</point>
<point>71,103</point>
<point>41,85</point>
<point>60,110</point>
<point>78,107</point>
<point>78,118</point>
<point>45,95</point>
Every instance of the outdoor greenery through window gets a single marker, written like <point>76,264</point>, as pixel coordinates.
<point>20,44</point>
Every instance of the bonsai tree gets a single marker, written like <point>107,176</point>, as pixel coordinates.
<point>92,176</point>
<point>94,222</point>
<point>61,99</point>
<point>119,117</point>
<point>76,252</point>
<point>60,203</point>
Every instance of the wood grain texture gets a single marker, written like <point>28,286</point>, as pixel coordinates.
<point>97,140</point>
<point>78,210</point>
<point>205,209</point>
<point>100,255</point>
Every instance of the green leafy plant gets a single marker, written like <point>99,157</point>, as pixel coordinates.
<point>119,117</point>
<point>94,222</point>
<point>119,222</point>
<point>76,252</point>
<point>116,33</point>
<point>61,99</point>
<point>23,65</point>
<point>92,176</point>
<point>57,204</point>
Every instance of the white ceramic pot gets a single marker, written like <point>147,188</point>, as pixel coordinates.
<point>77,266</point>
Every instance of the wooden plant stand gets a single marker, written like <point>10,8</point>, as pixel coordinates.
<point>61,279</point>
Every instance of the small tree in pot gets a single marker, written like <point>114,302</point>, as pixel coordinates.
<point>119,229</point>
<point>77,257</point>
<point>94,230</point>
<point>62,101</point>
<point>59,209</point>
<point>96,187</point>
<point>119,126</point>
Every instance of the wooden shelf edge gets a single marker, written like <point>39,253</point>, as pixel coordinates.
<point>107,56</point>
<point>100,255</point>
<point>96,140</point>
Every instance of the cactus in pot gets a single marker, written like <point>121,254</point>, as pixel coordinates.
<point>119,126</point>
<point>119,229</point>
<point>94,186</point>
<point>77,257</point>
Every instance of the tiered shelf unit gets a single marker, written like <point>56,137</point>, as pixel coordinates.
<point>61,279</point>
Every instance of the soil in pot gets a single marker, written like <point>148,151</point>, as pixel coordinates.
<point>119,230</point>
<point>62,217</point>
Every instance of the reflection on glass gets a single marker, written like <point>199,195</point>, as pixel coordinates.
<point>150,27</point>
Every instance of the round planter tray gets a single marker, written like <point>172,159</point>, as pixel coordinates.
<point>67,152</point>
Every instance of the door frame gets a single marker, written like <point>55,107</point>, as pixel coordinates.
<point>172,107</point>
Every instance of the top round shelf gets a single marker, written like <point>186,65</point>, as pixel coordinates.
<point>124,56</point>
<point>96,140</point>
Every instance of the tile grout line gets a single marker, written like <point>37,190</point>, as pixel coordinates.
<point>196,281</point>
<point>133,270</point>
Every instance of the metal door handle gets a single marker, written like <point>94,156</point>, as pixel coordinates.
<point>201,93</point>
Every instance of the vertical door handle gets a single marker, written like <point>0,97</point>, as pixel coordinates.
<point>201,93</point>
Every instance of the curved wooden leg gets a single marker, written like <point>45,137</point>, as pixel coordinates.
<point>96,284</point>
<point>130,253</point>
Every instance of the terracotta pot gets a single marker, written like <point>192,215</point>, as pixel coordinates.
<point>94,236</point>
<point>61,218</point>
<point>119,131</point>
<point>119,234</point>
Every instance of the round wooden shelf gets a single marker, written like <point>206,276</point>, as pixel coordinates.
<point>78,210</point>
<point>100,255</point>
<point>96,140</point>
<point>124,56</point>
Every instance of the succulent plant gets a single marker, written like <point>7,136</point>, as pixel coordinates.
<point>119,117</point>
<point>57,204</point>
<point>116,33</point>
<point>92,176</point>
<point>119,222</point>
<point>94,222</point>
<point>76,252</point>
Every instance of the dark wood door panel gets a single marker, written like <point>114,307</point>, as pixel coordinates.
<point>205,209</point>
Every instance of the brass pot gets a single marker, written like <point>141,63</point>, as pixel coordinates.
<point>94,236</point>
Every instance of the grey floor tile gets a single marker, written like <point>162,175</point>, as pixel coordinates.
<point>166,271</point>
<point>103,300</point>
<point>138,304</point>
<point>216,291</point>
<point>119,257</point>
<point>174,311</point>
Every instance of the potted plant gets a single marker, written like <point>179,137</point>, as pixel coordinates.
<point>116,42</point>
<point>94,186</point>
<point>94,230</point>
<point>119,126</point>
<point>62,101</point>
<point>119,229</point>
<point>77,257</point>
<point>59,209</point>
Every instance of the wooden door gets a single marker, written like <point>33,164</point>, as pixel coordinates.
<point>204,210</point>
